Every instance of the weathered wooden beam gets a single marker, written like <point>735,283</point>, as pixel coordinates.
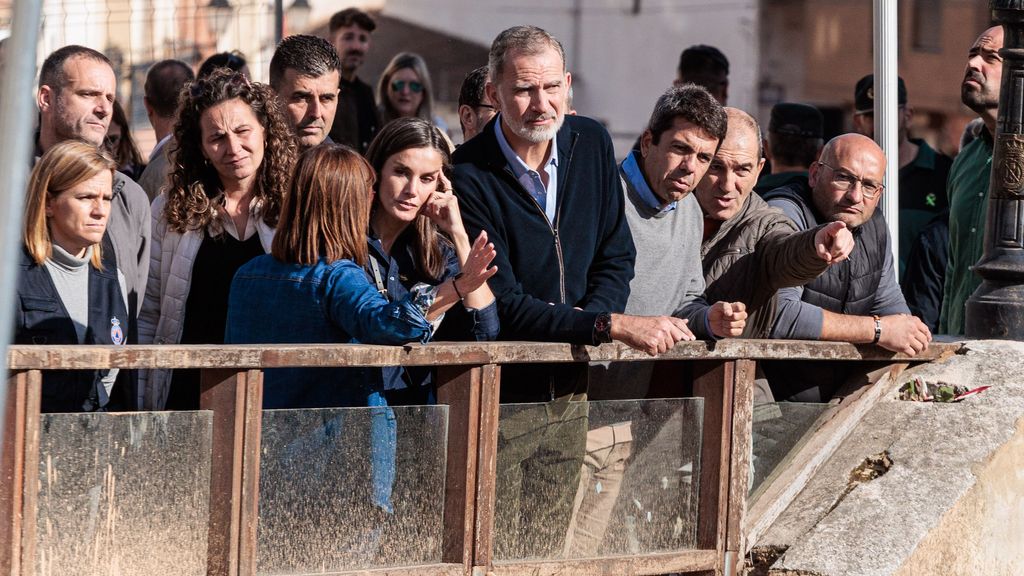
<point>661,563</point>
<point>798,468</point>
<point>235,454</point>
<point>487,465</point>
<point>30,475</point>
<point>441,353</point>
<point>459,388</point>
<point>420,570</point>
<point>12,469</point>
<point>714,381</point>
<point>739,461</point>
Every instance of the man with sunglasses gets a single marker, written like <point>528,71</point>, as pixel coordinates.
<point>857,300</point>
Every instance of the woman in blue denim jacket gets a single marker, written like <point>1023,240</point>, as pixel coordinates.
<point>313,288</point>
<point>416,237</point>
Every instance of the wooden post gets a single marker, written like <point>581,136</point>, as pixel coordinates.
<point>30,472</point>
<point>236,400</point>
<point>459,388</point>
<point>739,463</point>
<point>12,472</point>
<point>713,380</point>
<point>490,392</point>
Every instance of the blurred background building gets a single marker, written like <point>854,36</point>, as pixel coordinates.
<point>622,53</point>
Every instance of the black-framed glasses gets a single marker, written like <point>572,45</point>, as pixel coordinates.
<point>414,86</point>
<point>844,182</point>
<point>488,106</point>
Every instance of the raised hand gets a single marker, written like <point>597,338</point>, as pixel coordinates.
<point>476,270</point>
<point>833,242</point>
<point>443,208</point>
<point>727,318</point>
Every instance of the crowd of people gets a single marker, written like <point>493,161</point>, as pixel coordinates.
<point>315,209</point>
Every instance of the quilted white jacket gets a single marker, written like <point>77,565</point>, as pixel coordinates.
<point>161,320</point>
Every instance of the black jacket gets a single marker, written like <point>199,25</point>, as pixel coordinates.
<point>584,259</point>
<point>42,319</point>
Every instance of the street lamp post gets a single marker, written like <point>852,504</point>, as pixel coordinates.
<point>218,17</point>
<point>996,309</point>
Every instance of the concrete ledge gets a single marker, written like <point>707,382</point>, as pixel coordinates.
<point>952,502</point>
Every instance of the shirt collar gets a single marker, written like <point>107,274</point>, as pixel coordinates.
<point>156,149</point>
<point>631,167</point>
<point>519,167</point>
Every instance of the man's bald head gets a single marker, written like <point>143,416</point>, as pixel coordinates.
<point>851,165</point>
<point>980,88</point>
<point>742,126</point>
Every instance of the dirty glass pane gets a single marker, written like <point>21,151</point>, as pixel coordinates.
<point>123,493</point>
<point>779,428</point>
<point>349,488</point>
<point>585,479</point>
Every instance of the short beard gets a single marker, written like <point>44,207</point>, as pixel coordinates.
<point>980,101</point>
<point>539,135</point>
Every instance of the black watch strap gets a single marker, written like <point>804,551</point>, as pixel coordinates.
<point>603,328</point>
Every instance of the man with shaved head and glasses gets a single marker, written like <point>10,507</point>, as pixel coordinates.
<point>857,300</point>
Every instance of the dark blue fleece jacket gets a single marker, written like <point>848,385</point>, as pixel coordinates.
<point>584,259</point>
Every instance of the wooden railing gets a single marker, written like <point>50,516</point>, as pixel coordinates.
<point>468,381</point>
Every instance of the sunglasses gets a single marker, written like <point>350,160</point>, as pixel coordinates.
<point>414,87</point>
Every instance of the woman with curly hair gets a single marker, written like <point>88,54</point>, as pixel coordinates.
<point>231,166</point>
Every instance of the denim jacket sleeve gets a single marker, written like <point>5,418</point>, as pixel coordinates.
<point>354,304</point>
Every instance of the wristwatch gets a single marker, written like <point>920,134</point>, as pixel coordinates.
<point>878,329</point>
<point>603,328</point>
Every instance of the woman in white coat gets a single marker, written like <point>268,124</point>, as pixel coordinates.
<point>234,157</point>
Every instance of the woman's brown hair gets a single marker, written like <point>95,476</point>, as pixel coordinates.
<point>194,182</point>
<point>403,134</point>
<point>63,167</point>
<point>327,209</point>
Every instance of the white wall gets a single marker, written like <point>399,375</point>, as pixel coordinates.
<point>621,62</point>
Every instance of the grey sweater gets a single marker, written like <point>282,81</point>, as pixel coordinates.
<point>669,279</point>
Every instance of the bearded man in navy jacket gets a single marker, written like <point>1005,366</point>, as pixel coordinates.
<point>545,188</point>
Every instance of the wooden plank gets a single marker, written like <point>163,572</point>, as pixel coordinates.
<point>421,570</point>
<point>823,442</point>
<point>30,486</point>
<point>662,563</point>
<point>249,509</point>
<point>12,469</point>
<point>739,467</point>
<point>713,381</point>
<point>459,388</point>
<point>223,392</point>
<point>442,353</point>
<point>487,462</point>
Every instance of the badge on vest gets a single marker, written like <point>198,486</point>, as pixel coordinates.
<point>116,333</point>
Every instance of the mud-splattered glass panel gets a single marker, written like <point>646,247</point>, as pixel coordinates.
<point>779,428</point>
<point>123,494</point>
<point>350,488</point>
<point>586,479</point>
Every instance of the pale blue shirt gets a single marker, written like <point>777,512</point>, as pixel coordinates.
<point>631,167</point>
<point>546,196</point>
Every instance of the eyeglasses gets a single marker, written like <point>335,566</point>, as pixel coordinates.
<point>488,106</point>
<point>414,87</point>
<point>844,182</point>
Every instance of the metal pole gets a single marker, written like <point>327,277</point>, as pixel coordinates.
<point>887,113</point>
<point>17,112</point>
<point>996,309</point>
<point>278,21</point>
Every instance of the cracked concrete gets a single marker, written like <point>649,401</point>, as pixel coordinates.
<point>955,485</point>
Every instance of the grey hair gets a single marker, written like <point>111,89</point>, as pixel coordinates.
<point>526,40</point>
<point>308,55</point>
<point>693,103</point>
